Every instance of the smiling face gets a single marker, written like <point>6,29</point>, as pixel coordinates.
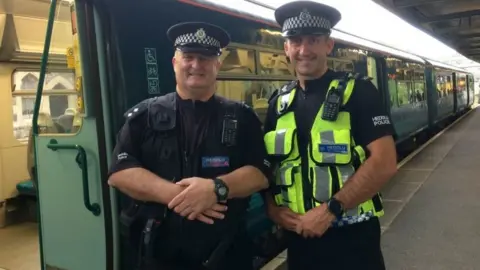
<point>308,54</point>
<point>196,74</point>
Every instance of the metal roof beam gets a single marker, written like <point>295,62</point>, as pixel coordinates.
<point>471,51</point>
<point>414,3</point>
<point>475,45</point>
<point>462,27</point>
<point>451,16</point>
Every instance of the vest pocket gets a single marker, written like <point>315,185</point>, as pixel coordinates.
<point>280,142</point>
<point>322,183</point>
<point>285,183</point>
<point>331,147</point>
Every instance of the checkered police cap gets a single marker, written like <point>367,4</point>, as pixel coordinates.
<point>198,37</point>
<point>305,20</point>
<point>306,17</point>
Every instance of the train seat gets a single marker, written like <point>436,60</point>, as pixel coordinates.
<point>26,188</point>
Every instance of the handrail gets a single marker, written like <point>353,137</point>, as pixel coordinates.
<point>81,160</point>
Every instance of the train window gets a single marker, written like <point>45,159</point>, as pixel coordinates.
<point>419,86</point>
<point>409,78</point>
<point>237,61</point>
<point>404,86</point>
<point>330,63</point>
<point>403,90</point>
<point>372,70</point>
<point>461,82</point>
<point>346,66</point>
<point>350,59</point>
<point>392,90</point>
<point>470,83</point>
<point>444,83</point>
<point>254,93</point>
<point>57,108</point>
<point>274,64</point>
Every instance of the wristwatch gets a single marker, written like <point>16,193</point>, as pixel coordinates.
<point>335,207</point>
<point>221,189</point>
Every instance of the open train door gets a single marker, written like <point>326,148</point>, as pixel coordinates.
<point>70,165</point>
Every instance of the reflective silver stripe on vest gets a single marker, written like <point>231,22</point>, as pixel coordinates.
<point>327,137</point>
<point>280,142</point>
<point>322,186</point>
<point>283,181</point>
<point>346,171</point>
<point>283,173</point>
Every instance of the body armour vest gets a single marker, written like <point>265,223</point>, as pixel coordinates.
<point>332,155</point>
<point>162,154</point>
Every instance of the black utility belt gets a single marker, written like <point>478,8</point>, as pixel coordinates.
<point>152,229</point>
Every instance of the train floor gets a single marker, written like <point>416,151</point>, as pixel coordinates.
<point>19,248</point>
<point>432,205</point>
<point>432,210</point>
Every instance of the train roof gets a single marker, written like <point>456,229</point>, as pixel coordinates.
<point>258,12</point>
<point>446,66</point>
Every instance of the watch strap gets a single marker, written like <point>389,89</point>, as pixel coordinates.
<point>221,189</point>
<point>335,207</point>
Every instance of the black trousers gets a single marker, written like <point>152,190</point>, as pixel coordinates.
<point>355,246</point>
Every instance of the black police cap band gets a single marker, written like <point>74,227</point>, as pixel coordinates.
<point>199,37</point>
<point>306,18</point>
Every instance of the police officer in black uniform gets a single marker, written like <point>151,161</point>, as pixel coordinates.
<point>319,237</point>
<point>189,160</point>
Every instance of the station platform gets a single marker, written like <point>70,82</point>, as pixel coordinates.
<point>432,205</point>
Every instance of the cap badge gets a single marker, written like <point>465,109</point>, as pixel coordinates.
<point>305,15</point>
<point>200,34</point>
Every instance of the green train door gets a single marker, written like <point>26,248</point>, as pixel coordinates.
<point>76,221</point>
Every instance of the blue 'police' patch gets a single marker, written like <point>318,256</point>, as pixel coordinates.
<point>333,148</point>
<point>215,162</point>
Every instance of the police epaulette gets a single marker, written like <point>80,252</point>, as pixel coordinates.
<point>284,90</point>
<point>288,87</point>
<point>273,95</point>
<point>358,76</point>
<point>139,108</point>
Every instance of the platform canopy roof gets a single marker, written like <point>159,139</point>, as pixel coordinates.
<point>454,22</point>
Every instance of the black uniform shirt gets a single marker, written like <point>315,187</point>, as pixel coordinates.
<point>137,148</point>
<point>195,119</point>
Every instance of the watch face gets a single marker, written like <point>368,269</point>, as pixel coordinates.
<point>222,191</point>
<point>335,207</point>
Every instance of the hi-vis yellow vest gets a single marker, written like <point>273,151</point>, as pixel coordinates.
<point>333,158</point>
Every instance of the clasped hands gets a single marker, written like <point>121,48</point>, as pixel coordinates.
<point>314,223</point>
<point>197,200</point>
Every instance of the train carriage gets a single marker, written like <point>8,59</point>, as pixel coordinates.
<point>118,54</point>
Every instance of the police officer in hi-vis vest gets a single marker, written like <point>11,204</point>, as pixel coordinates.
<point>329,140</point>
<point>189,160</point>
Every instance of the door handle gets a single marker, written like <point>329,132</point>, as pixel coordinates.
<point>81,160</point>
